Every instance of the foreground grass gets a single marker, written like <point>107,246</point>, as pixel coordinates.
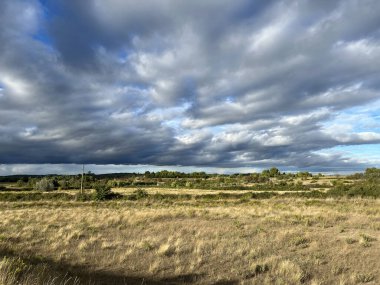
<point>271,241</point>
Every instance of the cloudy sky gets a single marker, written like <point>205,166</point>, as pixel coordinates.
<point>214,85</point>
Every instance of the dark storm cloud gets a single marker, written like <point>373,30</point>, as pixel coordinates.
<point>204,83</point>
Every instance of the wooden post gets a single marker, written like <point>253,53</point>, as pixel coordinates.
<point>81,182</point>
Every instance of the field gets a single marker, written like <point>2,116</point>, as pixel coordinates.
<point>189,236</point>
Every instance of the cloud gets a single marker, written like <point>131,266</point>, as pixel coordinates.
<point>193,83</point>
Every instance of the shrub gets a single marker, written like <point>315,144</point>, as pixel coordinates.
<point>138,194</point>
<point>310,194</point>
<point>44,185</point>
<point>103,192</point>
<point>82,197</point>
<point>358,189</point>
<point>258,269</point>
<point>20,183</point>
<point>34,196</point>
<point>372,173</point>
<point>141,193</point>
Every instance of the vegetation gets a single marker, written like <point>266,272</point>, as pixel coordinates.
<point>367,186</point>
<point>259,228</point>
<point>15,270</point>
<point>270,241</point>
<point>303,184</point>
<point>271,178</point>
<point>103,192</point>
<point>43,185</point>
<point>138,194</point>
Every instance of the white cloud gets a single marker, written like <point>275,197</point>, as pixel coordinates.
<point>219,83</point>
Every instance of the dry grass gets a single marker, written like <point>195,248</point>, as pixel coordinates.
<point>274,241</point>
<point>194,191</point>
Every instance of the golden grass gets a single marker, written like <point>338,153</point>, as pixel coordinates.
<point>274,241</point>
<point>194,191</point>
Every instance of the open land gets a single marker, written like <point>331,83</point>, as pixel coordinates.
<point>190,236</point>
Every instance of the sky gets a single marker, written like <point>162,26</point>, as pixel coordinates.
<point>220,86</point>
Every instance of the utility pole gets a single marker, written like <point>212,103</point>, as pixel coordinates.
<point>81,182</point>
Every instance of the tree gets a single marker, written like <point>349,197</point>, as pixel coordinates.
<point>273,172</point>
<point>44,185</point>
<point>103,192</point>
<point>20,183</point>
<point>372,173</point>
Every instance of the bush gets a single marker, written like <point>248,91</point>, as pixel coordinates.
<point>103,192</point>
<point>309,194</point>
<point>138,194</point>
<point>372,173</point>
<point>358,189</point>
<point>44,185</point>
<point>82,197</point>
<point>34,196</point>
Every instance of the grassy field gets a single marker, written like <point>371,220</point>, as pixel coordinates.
<point>190,241</point>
